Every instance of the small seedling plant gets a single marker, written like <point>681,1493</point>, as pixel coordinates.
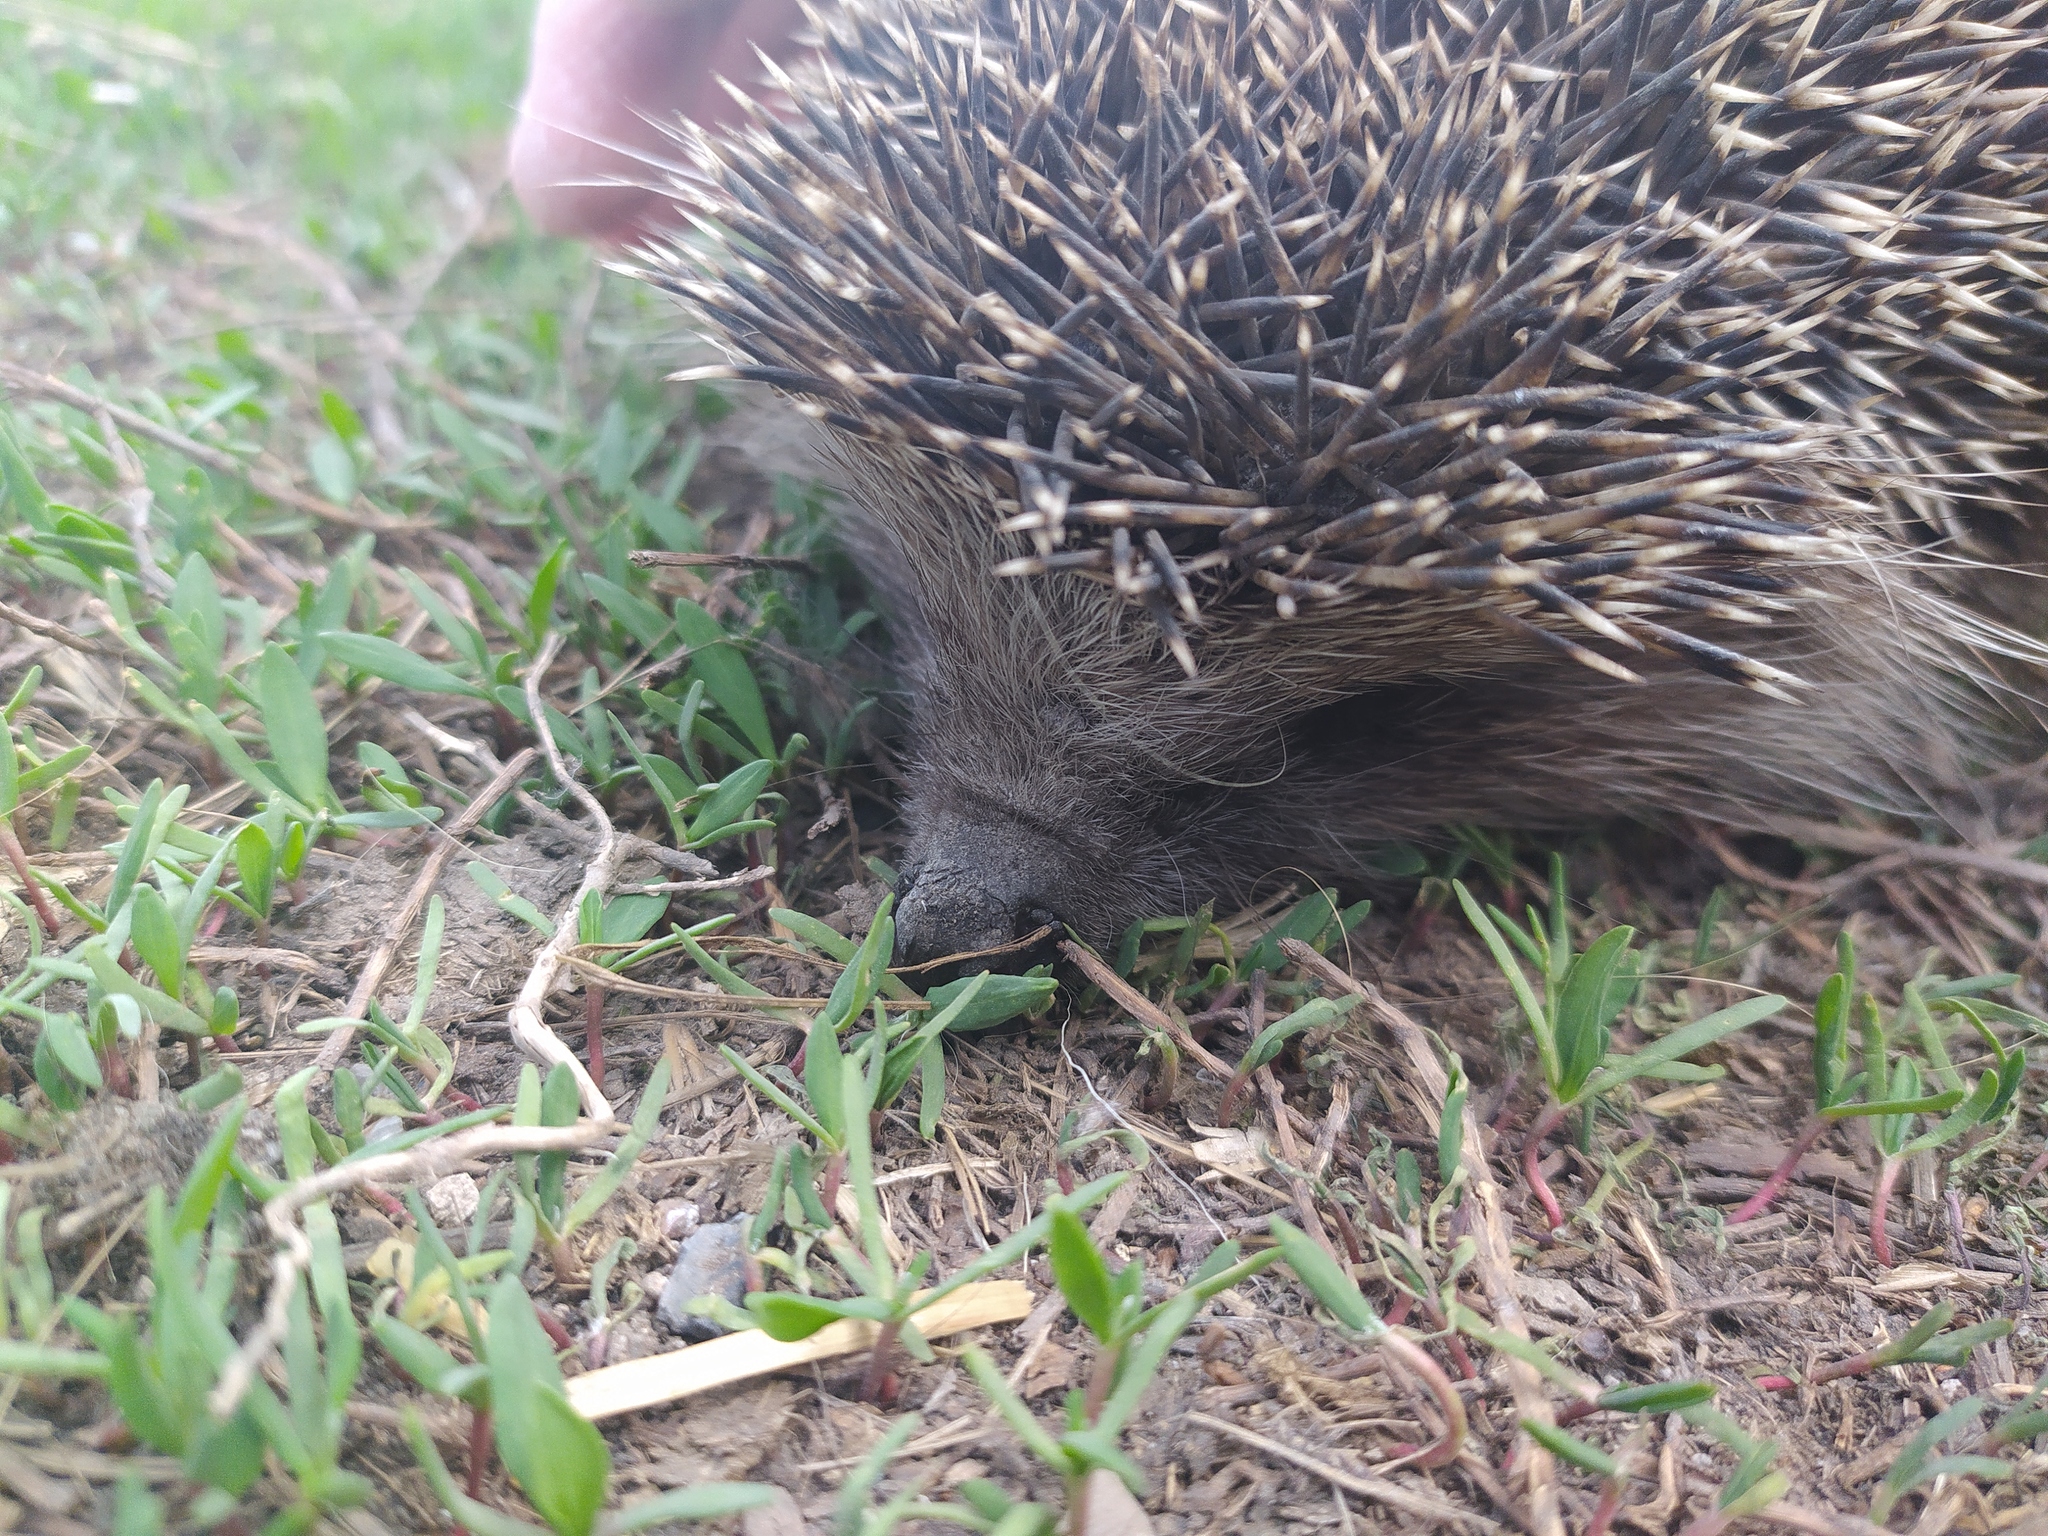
<point>554,1454</point>
<point>1571,1018</point>
<point>1892,1090</point>
<point>1131,1341</point>
<point>845,1092</point>
<point>1330,1283</point>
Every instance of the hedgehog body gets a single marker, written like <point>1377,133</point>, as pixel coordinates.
<point>1284,427</point>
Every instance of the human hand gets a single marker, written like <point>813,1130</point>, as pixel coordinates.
<point>605,79</point>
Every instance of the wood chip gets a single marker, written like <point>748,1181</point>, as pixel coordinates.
<point>657,1379</point>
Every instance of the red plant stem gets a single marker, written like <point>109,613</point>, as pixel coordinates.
<point>1449,1404</point>
<point>38,898</point>
<point>1880,1204</point>
<point>114,1068</point>
<point>875,1379</point>
<point>1461,1357</point>
<point>1397,1314</point>
<point>552,1326</point>
<point>1855,1365</point>
<point>479,1450</point>
<point>593,1030</point>
<point>1781,1175</point>
<point>1231,1091</point>
<point>1532,1157</point>
<point>828,1182</point>
<point>1608,1507</point>
<point>1348,1232</point>
<point>1100,1380</point>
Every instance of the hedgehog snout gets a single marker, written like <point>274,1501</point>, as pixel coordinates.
<point>973,882</point>
<point>952,909</point>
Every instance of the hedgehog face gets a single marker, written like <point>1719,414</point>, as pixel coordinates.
<point>1019,821</point>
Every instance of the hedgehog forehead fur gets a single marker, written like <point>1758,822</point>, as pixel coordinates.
<point>1281,426</point>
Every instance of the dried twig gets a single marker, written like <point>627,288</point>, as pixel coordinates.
<point>722,883</point>
<point>1139,1006</point>
<point>529,1027</point>
<point>1290,1153</point>
<point>1382,1489</point>
<point>1489,1227</point>
<point>423,885</point>
<point>428,1161</point>
<point>659,557</point>
<point>21,618</point>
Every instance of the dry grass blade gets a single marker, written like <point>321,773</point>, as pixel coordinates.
<point>1492,1262</point>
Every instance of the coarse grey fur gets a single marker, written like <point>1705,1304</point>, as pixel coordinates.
<point>1290,427</point>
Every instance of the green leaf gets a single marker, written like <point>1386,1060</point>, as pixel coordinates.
<point>476,1518</point>
<point>395,664</point>
<point>154,933</point>
<point>1001,999</point>
<point>1023,1423</point>
<point>21,495</point>
<point>1657,1397</point>
<point>493,885</point>
<point>1532,1010</point>
<point>1081,1275</point>
<point>1570,1448</point>
<point>34,781</point>
<point>1307,920</point>
<point>69,1044</point>
<point>646,1121</point>
<point>705,1501</point>
<point>427,1362</point>
<point>10,782</point>
<point>731,801</point>
<point>1326,1280</point>
<point>140,843</point>
<point>540,601</point>
<point>1316,1013</point>
<point>787,1317</point>
<point>567,1488</point>
<point>293,727</point>
<point>647,624</point>
<point>628,918</point>
<point>18,1358</point>
<point>1680,1042</point>
<point>717,661</point>
<point>341,416</point>
<point>1595,989</point>
<point>202,1186</point>
<point>523,1370</point>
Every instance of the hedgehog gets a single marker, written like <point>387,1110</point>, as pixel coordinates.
<point>1280,427</point>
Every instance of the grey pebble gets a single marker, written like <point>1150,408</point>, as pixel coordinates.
<point>712,1263</point>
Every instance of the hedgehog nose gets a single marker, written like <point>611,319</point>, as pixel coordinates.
<point>949,910</point>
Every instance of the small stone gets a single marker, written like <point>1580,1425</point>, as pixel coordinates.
<point>453,1200</point>
<point>713,1262</point>
<point>681,1219</point>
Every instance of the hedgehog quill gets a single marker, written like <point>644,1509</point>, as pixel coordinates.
<point>1282,427</point>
